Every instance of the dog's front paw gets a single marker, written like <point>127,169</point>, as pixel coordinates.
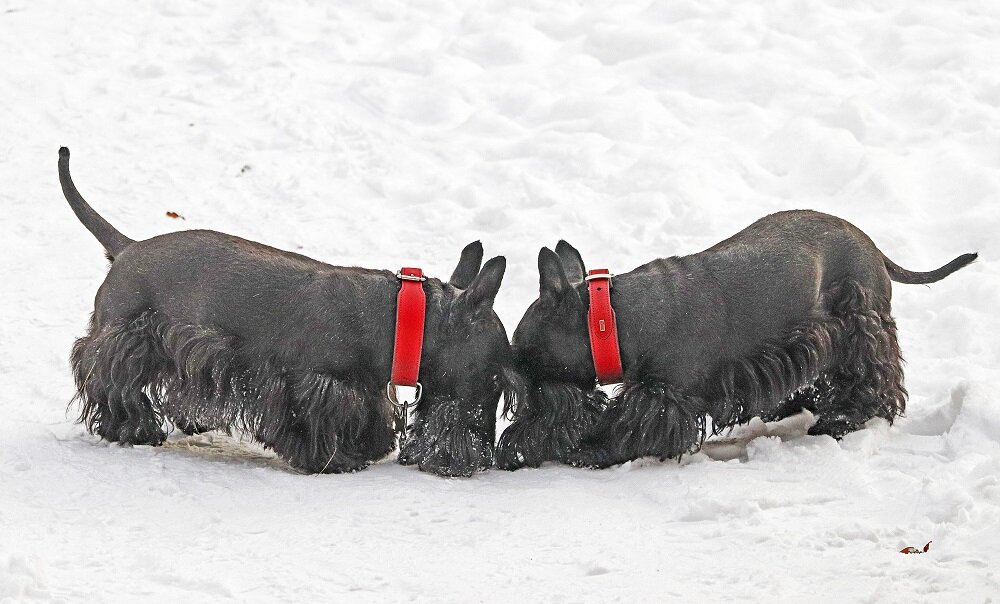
<point>413,451</point>
<point>519,447</point>
<point>593,452</point>
<point>138,433</point>
<point>508,458</point>
<point>837,426</point>
<point>458,462</point>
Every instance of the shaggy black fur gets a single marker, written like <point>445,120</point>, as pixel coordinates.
<point>791,313</point>
<point>209,331</point>
<point>550,419</point>
<point>866,379</point>
<point>451,428</point>
<point>646,419</point>
<point>746,387</point>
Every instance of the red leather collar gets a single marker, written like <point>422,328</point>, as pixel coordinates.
<point>603,328</point>
<point>411,305</point>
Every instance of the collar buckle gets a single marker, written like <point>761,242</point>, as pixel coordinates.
<point>403,277</point>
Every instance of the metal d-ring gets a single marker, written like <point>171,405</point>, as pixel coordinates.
<point>390,393</point>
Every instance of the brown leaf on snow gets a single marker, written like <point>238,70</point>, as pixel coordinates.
<point>175,215</point>
<point>913,550</point>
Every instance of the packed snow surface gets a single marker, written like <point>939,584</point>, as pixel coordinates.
<point>392,133</point>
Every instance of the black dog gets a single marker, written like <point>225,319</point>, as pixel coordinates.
<point>790,313</point>
<point>212,331</point>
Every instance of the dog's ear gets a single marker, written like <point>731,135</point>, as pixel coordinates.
<point>483,290</point>
<point>553,285</point>
<point>571,260</point>
<point>468,265</point>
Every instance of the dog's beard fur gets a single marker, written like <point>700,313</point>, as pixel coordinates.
<point>456,438</point>
<point>132,376</point>
<point>549,421</point>
<point>449,439</point>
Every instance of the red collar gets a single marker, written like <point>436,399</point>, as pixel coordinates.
<point>411,306</point>
<point>603,328</point>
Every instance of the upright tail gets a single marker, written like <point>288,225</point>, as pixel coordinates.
<point>113,241</point>
<point>901,275</point>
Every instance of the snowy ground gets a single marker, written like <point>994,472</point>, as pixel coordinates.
<point>391,133</point>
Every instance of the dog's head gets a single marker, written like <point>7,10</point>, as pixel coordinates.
<point>551,343</point>
<point>464,370</point>
<point>554,370</point>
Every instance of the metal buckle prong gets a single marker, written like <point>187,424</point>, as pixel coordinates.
<point>400,275</point>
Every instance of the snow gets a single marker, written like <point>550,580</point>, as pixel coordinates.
<point>392,133</point>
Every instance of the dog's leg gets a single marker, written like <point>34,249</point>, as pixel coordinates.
<point>647,419</point>
<point>549,425</point>
<point>207,384</point>
<point>321,424</point>
<point>114,367</point>
<point>867,378</point>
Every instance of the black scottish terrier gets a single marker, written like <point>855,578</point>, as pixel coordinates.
<point>790,313</point>
<point>210,331</point>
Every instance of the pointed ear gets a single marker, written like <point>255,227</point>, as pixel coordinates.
<point>571,260</point>
<point>553,286</point>
<point>483,290</point>
<point>468,265</point>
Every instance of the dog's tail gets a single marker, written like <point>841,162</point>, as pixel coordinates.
<point>113,241</point>
<point>901,275</point>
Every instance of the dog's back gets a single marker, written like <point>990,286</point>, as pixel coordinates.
<point>282,302</point>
